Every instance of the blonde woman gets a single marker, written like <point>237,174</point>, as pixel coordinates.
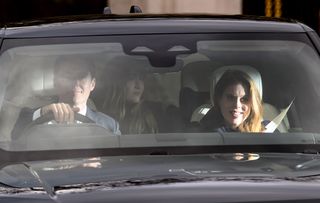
<point>124,101</point>
<point>237,105</point>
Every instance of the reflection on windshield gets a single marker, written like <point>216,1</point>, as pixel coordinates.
<point>246,157</point>
<point>86,163</point>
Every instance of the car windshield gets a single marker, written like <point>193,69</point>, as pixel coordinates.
<point>152,90</point>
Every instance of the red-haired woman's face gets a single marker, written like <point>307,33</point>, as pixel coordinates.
<point>234,105</point>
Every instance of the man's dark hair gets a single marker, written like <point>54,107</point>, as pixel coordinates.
<point>84,65</point>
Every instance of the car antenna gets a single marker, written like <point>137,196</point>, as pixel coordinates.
<point>107,10</point>
<point>135,9</point>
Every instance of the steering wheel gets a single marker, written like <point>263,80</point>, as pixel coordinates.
<point>50,117</point>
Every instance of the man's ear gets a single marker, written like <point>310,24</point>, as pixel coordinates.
<point>93,84</point>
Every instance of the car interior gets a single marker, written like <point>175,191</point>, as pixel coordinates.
<point>182,91</point>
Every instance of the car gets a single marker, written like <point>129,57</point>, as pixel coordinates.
<point>162,70</point>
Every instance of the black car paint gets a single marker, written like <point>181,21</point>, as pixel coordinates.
<point>236,188</point>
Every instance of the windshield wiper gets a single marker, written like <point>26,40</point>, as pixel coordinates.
<point>49,189</point>
<point>308,164</point>
<point>87,187</point>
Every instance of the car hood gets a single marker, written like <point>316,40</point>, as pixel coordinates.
<point>96,177</point>
<point>234,191</point>
<point>157,167</point>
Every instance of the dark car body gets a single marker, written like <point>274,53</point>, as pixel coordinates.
<point>181,162</point>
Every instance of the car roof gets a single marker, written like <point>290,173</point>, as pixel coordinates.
<point>147,24</point>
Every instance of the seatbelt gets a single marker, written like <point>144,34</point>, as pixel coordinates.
<point>273,125</point>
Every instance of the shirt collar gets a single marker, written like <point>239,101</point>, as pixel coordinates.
<point>83,111</point>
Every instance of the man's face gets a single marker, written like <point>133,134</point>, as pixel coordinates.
<point>74,84</point>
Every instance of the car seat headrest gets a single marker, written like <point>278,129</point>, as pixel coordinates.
<point>250,71</point>
<point>196,75</point>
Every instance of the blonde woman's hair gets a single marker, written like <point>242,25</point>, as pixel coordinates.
<point>253,120</point>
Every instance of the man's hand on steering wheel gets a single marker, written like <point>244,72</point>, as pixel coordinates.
<point>62,112</point>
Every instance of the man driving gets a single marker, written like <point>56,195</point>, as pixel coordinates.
<point>74,80</point>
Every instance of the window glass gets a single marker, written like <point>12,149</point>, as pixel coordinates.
<point>149,86</point>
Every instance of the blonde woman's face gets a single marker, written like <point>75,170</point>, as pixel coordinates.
<point>135,90</point>
<point>234,105</point>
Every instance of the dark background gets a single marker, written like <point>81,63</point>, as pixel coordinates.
<point>17,10</point>
<point>306,11</point>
